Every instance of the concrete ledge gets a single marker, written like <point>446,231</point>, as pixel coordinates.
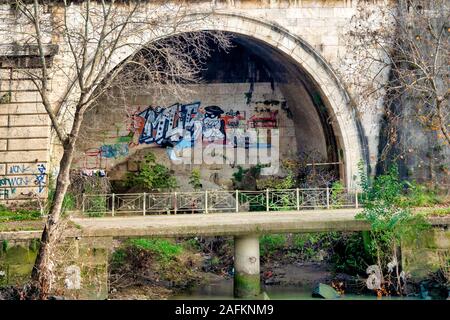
<point>217,224</point>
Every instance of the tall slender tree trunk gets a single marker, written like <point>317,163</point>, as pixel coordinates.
<point>43,270</point>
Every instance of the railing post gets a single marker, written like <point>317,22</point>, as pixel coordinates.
<point>237,200</point>
<point>267,199</point>
<point>356,199</point>
<point>82,203</point>
<point>144,204</point>
<point>297,193</point>
<point>113,204</point>
<point>206,201</point>
<point>328,197</point>
<point>175,205</point>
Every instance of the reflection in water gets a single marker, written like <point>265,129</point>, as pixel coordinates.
<point>223,289</point>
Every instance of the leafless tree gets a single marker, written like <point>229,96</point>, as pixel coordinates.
<point>92,37</point>
<point>401,59</point>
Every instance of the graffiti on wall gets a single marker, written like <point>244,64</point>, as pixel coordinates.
<point>182,126</point>
<point>40,178</point>
<point>23,176</point>
<point>171,125</point>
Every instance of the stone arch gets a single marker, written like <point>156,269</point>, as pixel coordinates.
<point>346,125</point>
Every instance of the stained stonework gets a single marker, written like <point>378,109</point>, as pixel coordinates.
<point>309,33</point>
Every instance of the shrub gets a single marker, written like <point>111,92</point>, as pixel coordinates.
<point>97,206</point>
<point>391,221</point>
<point>152,176</point>
<point>271,243</point>
<point>195,179</point>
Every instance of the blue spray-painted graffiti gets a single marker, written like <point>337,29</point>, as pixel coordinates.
<point>182,126</point>
<point>114,150</point>
<point>9,185</point>
<point>20,168</point>
<point>167,125</point>
<point>40,177</point>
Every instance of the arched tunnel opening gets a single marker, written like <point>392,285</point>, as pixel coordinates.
<point>251,87</point>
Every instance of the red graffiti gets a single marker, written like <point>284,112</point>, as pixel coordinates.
<point>263,119</point>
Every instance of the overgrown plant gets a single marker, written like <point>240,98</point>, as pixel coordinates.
<point>337,191</point>
<point>152,176</point>
<point>390,222</point>
<point>195,179</point>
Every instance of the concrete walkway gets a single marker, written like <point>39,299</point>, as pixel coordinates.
<point>222,223</point>
<point>216,224</point>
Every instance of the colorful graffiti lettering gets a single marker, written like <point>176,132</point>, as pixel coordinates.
<point>164,126</point>
<point>15,181</point>
<point>182,126</point>
<point>233,119</point>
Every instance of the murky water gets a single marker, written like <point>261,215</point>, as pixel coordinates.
<point>16,264</point>
<point>223,289</point>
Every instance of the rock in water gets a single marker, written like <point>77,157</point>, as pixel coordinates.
<point>430,290</point>
<point>325,292</point>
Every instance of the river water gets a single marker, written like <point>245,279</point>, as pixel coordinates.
<point>223,290</point>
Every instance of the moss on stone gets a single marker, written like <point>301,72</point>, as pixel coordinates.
<point>246,285</point>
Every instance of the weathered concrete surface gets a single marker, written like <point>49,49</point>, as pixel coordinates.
<point>310,33</point>
<point>427,254</point>
<point>246,266</point>
<point>217,224</point>
<point>222,224</point>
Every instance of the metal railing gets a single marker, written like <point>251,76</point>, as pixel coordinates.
<point>215,201</point>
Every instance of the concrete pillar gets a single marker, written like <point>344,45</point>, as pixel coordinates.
<point>246,266</point>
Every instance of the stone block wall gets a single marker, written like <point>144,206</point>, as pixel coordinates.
<point>28,155</point>
<point>24,139</point>
<point>427,254</point>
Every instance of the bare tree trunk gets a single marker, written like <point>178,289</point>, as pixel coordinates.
<point>42,274</point>
<point>442,123</point>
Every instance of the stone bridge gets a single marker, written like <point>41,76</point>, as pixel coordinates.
<point>299,50</point>
<point>91,240</point>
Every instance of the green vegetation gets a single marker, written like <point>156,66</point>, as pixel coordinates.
<point>245,179</point>
<point>163,249</point>
<point>152,176</point>
<point>418,195</point>
<point>436,211</point>
<point>391,221</point>
<point>140,261</point>
<point>69,202</point>
<point>195,179</point>
<point>351,255</point>
<point>18,215</point>
<point>97,205</point>
<point>337,190</point>
<point>269,244</point>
